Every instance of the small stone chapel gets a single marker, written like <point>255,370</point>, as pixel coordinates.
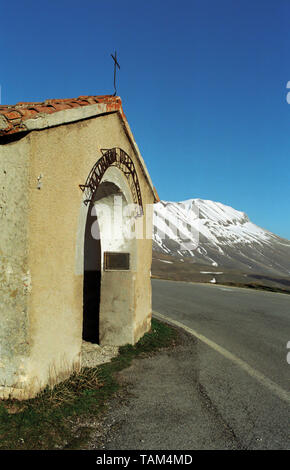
<point>75,242</point>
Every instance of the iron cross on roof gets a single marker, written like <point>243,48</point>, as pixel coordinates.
<point>115,65</point>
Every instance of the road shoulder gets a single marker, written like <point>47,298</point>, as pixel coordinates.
<point>162,405</point>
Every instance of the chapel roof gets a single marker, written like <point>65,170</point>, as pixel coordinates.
<point>20,117</point>
<point>24,117</point>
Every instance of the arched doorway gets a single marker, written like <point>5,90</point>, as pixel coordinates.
<point>108,287</point>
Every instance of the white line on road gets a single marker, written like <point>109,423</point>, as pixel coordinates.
<point>262,379</point>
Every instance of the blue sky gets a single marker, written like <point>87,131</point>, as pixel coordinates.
<point>203,84</point>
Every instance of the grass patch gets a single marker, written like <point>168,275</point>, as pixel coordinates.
<point>48,420</point>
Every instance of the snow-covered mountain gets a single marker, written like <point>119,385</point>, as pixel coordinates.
<point>213,234</point>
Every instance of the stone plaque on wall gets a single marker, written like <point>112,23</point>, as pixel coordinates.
<point>114,261</point>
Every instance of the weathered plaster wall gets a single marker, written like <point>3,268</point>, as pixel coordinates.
<point>60,160</point>
<point>15,277</point>
<point>143,297</point>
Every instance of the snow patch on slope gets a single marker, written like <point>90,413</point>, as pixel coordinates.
<point>215,233</point>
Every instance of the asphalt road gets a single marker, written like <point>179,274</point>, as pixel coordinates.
<point>224,385</point>
<point>241,338</point>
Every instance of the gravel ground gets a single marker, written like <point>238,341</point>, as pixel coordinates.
<point>94,355</point>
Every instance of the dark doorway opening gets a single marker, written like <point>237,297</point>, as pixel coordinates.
<point>92,278</point>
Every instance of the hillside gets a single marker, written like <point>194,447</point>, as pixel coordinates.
<point>207,241</point>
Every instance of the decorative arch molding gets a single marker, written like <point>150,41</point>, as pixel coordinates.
<point>118,158</point>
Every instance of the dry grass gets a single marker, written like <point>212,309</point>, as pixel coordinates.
<point>67,391</point>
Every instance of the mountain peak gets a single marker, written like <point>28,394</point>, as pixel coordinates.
<point>214,233</point>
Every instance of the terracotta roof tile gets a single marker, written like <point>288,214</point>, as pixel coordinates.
<point>11,115</point>
<point>12,118</point>
<point>27,113</point>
